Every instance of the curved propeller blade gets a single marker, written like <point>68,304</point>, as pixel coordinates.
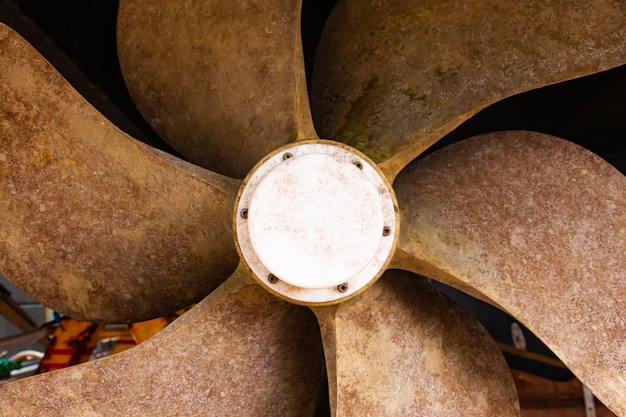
<point>391,78</point>
<point>222,82</point>
<point>240,352</point>
<point>537,226</point>
<point>402,348</point>
<point>95,224</point>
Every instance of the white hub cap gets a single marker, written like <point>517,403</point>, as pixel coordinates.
<point>316,222</point>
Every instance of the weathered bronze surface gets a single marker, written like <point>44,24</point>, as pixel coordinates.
<point>240,352</point>
<point>100,227</point>
<point>222,82</point>
<point>393,77</point>
<point>536,225</point>
<point>94,224</point>
<point>403,349</point>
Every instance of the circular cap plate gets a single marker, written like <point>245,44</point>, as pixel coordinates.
<point>316,223</point>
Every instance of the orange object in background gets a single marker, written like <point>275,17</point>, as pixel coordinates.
<point>144,330</point>
<point>74,342</point>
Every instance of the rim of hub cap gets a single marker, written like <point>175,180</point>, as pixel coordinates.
<point>316,222</point>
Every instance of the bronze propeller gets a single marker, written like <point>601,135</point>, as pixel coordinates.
<point>305,249</point>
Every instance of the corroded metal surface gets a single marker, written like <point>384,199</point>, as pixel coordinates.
<point>240,352</point>
<point>98,226</point>
<point>94,224</point>
<point>393,77</point>
<point>222,82</point>
<point>403,349</point>
<point>536,225</point>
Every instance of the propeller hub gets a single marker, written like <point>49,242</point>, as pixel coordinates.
<point>316,222</point>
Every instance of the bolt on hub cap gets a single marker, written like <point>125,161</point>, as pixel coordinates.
<point>315,222</point>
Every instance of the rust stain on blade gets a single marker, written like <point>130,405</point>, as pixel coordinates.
<point>95,224</point>
<point>239,352</point>
<point>392,78</point>
<point>222,82</point>
<point>536,225</point>
<point>402,349</point>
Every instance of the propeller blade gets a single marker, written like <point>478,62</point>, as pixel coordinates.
<point>96,225</point>
<point>392,78</point>
<point>241,351</point>
<point>222,82</point>
<point>533,224</point>
<point>402,348</point>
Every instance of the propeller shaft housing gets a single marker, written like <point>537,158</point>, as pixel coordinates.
<point>316,222</point>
